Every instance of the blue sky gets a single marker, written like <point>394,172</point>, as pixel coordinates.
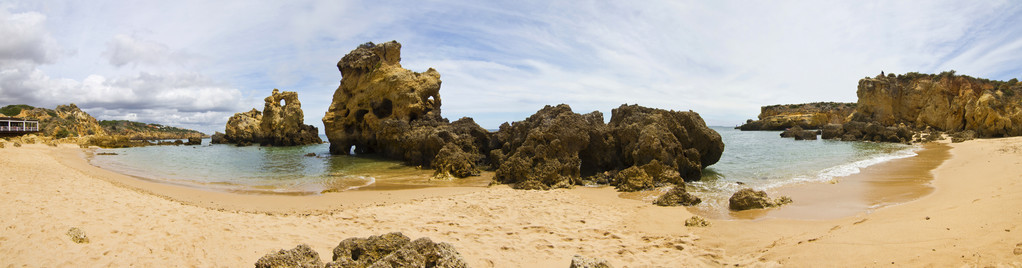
<point>195,63</point>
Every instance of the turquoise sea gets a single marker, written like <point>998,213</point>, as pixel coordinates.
<point>757,159</point>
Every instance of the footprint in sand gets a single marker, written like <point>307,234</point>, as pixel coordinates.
<point>1018,249</point>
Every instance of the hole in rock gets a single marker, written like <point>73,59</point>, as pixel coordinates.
<point>360,115</point>
<point>383,109</point>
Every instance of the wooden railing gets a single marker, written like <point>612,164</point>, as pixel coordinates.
<point>18,129</point>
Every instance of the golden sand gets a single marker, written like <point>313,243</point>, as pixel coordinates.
<point>971,217</point>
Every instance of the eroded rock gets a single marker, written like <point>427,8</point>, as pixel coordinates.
<point>696,221</point>
<point>300,256</point>
<point>677,196</point>
<point>77,235</point>
<point>395,250</point>
<point>281,123</point>
<point>383,108</point>
<point>799,134</point>
<point>579,261</point>
<point>748,198</point>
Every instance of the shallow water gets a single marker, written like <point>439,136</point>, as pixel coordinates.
<point>764,161</point>
<point>255,169</point>
<point>757,159</point>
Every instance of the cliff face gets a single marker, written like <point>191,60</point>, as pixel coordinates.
<point>945,102</point>
<point>807,116</point>
<point>278,124</point>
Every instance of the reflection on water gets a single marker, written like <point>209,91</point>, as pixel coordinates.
<point>280,170</point>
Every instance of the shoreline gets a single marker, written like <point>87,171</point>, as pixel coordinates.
<point>888,183</point>
<point>971,217</point>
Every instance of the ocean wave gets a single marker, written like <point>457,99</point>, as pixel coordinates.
<point>849,168</point>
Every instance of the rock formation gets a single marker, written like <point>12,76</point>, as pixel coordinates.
<point>301,257</point>
<point>395,250</point>
<point>807,116</point>
<point>65,121</point>
<point>278,124</point>
<point>799,134</point>
<point>383,108</point>
<point>557,148</point>
<point>945,102</point>
<point>677,196</point>
<point>747,198</point>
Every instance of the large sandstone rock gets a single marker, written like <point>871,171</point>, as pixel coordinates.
<point>946,102</point>
<point>395,250</point>
<point>798,133</point>
<point>383,108</point>
<point>281,123</point>
<point>374,88</point>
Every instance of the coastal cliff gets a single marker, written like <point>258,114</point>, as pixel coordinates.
<point>146,131</point>
<point>917,107</point>
<point>806,116</point>
<point>277,125</point>
<point>383,108</point>
<point>945,102</point>
<point>64,121</point>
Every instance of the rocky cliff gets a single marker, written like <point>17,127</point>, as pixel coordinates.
<point>278,124</point>
<point>65,121</point>
<point>807,116</point>
<point>146,131</point>
<point>383,108</point>
<point>945,102</point>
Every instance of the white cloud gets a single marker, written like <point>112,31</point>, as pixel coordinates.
<point>25,39</point>
<point>124,50</point>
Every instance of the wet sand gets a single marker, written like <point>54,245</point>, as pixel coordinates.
<point>972,217</point>
<point>888,183</point>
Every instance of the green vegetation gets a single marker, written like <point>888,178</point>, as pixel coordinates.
<point>63,133</point>
<point>12,110</point>
<point>125,127</point>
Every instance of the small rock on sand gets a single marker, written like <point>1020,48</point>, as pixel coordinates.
<point>77,235</point>
<point>696,221</point>
<point>579,261</point>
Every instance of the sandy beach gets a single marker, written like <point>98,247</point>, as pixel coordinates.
<point>969,217</point>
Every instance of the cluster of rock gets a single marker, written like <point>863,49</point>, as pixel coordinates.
<point>383,108</point>
<point>388,250</point>
<point>276,125</point>
<point>748,198</point>
<point>807,116</point>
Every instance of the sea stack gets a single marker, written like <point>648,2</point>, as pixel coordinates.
<point>277,125</point>
<point>381,107</point>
